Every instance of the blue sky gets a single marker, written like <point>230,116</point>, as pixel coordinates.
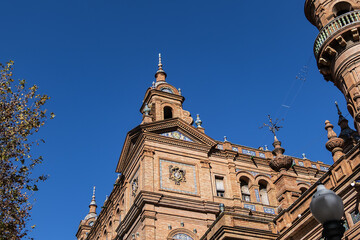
<point>235,61</point>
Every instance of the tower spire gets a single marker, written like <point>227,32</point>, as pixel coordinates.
<point>160,74</point>
<point>93,205</point>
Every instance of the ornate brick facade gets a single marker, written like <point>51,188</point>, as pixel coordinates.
<point>178,183</point>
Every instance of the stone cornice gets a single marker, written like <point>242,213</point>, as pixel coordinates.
<point>155,92</point>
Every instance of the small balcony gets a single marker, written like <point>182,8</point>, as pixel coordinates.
<point>333,27</point>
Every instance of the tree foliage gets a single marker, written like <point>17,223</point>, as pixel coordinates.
<point>22,113</point>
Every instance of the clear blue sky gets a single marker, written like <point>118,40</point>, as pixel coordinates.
<point>235,61</point>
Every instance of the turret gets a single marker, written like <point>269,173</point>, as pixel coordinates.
<point>337,48</point>
<point>89,220</point>
<point>163,101</point>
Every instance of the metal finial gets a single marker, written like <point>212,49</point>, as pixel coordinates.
<point>304,156</point>
<point>273,126</point>
<point>337,106</point>
<point>93,202</point>
<point>160,64</point>
<point>198,121</point>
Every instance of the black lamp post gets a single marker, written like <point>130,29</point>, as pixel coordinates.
<point>328,209</point>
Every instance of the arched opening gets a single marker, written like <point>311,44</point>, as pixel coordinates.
<point>263,192</point>
<point>342,8</point>
<point>168,112</point>
<point>303,189</point>
<point>245,193</point>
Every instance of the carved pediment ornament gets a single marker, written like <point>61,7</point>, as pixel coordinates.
<point>176,174</point>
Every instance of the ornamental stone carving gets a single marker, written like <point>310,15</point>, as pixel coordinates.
<point>176,174</point>
<point>280,161</point>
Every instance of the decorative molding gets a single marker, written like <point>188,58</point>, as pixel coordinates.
<point>195,192</point>
<point>176,174</point>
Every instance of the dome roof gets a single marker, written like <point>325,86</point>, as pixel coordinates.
<point>90,215</point>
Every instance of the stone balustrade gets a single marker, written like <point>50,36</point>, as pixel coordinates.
<point>333,27</point>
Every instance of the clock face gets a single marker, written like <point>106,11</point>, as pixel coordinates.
<point>165,89</point>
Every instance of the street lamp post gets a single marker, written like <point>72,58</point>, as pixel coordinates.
<point>328,209</point>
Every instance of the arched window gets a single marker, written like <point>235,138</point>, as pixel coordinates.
<point>182,236</point>
<point>342,8</point>
<point>263,192</point>
<point>168,112</point>
<point>245,193</point>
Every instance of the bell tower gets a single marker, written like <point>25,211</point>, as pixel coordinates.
<point>337,47</point>
<point>163,101</point>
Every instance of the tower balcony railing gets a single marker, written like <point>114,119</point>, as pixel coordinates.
<point>333,27</point>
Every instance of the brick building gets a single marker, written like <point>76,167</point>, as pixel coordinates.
<point>177,182</point>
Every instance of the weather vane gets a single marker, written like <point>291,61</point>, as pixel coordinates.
<point>273,126</point>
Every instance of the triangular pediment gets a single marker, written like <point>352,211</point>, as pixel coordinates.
<point>178,129</point>
<point>169,131</point>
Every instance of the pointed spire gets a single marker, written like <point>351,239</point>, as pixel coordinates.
<point>92,207</point>
<point>349,135</point>
<point>341,117</point>
<point>93,198</point>
<point>160,75</point>
<point>160,64</point>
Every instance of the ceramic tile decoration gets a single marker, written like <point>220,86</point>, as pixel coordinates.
<point>177,135</point>
<point>323,168</point>
<point>250,206</point>
<point>248,152</point>
<point>269,210</point>
<point>257,195</point>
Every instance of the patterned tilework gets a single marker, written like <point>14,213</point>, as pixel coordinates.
<point>313,166</point>
<point>178,164</point>
<point>250,206</point>
<point>262,155</point>
<point>235,149</point>
<point>177,135</point>
<point>257,195</point>
<point>219,146</point>
<point>301,163</point>
<point>324,168</point>
<point>269,210</point>
<point>248,152</point>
